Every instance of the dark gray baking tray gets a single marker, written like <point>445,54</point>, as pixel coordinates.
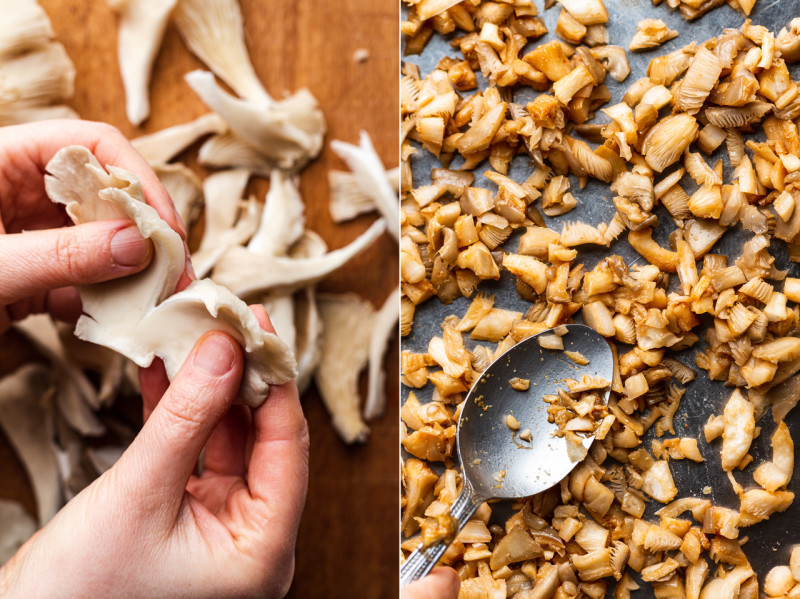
<point>770,541</point>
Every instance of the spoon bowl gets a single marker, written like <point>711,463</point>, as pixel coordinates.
<point>496,463</point>
<point>487,447</point>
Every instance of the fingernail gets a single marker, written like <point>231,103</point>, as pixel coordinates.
<point>188,265</point>
<point>216,355</point>
<point>129,248</point>
<point>179,223</point>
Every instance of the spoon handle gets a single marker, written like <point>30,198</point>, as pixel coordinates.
<point>420,562</point>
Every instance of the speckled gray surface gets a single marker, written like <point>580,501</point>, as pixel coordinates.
<point>769,541</point>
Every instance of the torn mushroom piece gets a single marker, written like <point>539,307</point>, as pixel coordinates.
<point>229,220</point>
<point>246,273</point>
<point>183,187</point>
<point>141,28</point>
<point>160,147</point>
<point>26,418</point>
<point>345,345</point>
<point>282,220</point>
<point>214,31</point>
<point>24,28</point>
<point>90,193</point>
<point>383,329</point>
<point>35,84</point>
<point>17,526</point>
<point>74,395</point>
<point>739,430</point>
<point>370,175</point>
<point>284,133</point>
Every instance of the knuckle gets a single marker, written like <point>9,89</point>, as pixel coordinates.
<point>69,255</point>
<point>182,412</point>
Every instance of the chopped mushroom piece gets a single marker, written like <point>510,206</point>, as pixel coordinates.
<point>739,430</point>
<point>651,33</point>
<point>777,473</point>
<point>519,384</point>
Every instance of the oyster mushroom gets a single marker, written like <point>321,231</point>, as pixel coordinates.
<point>703,74</point>
<point>788,41</point>
<point>651,33</point>
<point>24,28</point>
<point>26,419</point>
<point>16,526</point>
<point>739,430</point>
<point>308,332</point>
<point>141,29</point>
<point>213,30</point>
<point>347,199</point>
<point>32,82</point>
<point>614,59</point>
<point>285,133</point>
<point>383,329</point>
<point>160,147</point>
<point>183,187</point>
<point>347,325</point>
<point>228,222</point>
<point>41,332</point>
<point>90,193</point>
<point>371,177</point>
<point>246,273</point>
<point>282,221</point>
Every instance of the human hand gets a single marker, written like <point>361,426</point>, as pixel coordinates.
<point>40,257</point>
<point>149,527</point>
<point>441,583</point>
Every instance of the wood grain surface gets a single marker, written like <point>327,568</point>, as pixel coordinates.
<point>347,541</point>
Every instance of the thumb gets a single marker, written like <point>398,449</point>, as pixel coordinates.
<point>38,261</point>
<point>165,452</point>
<point>442,583</point>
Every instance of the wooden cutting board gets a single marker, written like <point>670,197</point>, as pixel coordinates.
<point>347,542</point>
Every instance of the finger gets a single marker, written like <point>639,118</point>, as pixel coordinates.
<point>35,262</point>
<point>441,583</point>
<point>278,470</point>
<point>63,304</point>
<point>107,143</point>
<point>262,317</point>
<point>225,452</point>
<point>153,382</point>
<point>170,442</point>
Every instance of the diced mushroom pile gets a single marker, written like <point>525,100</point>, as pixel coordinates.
<point>653,148</point>
<point>57,418</point>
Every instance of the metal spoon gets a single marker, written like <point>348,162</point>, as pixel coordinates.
<point>498,465</point>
